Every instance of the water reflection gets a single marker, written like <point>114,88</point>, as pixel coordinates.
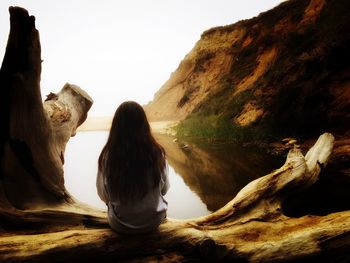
<point>203,177</point>
<point>183,202</point>
<point>216,172</point>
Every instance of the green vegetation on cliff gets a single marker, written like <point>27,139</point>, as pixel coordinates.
<point>214,128</point>
<point>207,123</point>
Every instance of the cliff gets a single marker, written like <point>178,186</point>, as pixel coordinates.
<point>285,72</point>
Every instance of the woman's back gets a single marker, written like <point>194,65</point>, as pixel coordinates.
<point>136,216</point>
<point>132,176</point>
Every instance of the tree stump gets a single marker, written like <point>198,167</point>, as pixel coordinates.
<point>33,134</point>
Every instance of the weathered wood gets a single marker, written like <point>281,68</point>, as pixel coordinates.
<point>33,134</point>
<point>66,111</point>
<point>41,222</point>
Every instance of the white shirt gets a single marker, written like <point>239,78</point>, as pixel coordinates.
<point>140,216</point>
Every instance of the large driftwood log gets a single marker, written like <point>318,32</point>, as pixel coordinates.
<point>41,222</point>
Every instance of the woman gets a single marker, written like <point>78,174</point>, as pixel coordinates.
<point>132,173</point>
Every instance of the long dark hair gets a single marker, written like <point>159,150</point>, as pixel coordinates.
<point>131,155</point>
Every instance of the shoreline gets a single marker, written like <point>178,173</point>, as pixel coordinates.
<point>104,124</point>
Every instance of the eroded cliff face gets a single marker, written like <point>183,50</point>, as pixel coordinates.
<point>287,69</point>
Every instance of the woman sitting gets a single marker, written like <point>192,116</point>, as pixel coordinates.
<point>132,173</point>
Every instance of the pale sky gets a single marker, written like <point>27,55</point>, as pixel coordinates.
<point>121,50</point>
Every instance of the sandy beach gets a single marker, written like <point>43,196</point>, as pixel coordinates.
<point>104,124</point>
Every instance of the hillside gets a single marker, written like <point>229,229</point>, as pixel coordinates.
<point>285,72</point>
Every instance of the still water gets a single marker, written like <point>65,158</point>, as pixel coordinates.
<point>203,177</point>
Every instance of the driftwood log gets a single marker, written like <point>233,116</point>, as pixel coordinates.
<point>40,221</point>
